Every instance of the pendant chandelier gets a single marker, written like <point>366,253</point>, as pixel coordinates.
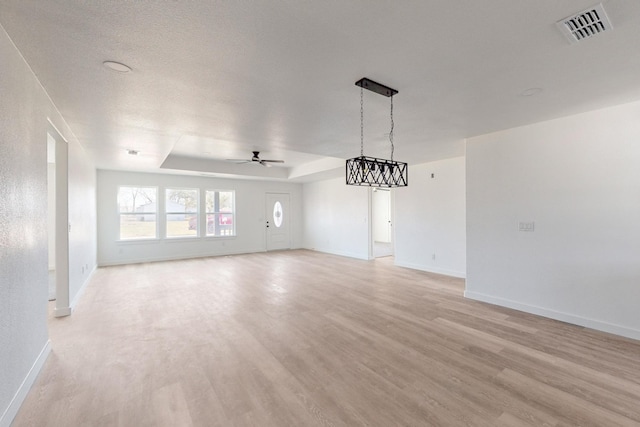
<point>371,171</point>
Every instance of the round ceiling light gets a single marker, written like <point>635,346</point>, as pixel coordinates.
<point>117,66</point>
<point>531,91</point>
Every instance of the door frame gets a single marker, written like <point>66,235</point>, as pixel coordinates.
<point>371,253</point>
<point>62,306</point>
<point>267,218</point>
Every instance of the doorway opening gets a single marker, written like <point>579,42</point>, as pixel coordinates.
<point>58,220</point>
<point>51,213</point>
<point>381,223</point>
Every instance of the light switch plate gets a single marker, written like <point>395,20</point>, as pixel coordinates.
<point>526,226</point>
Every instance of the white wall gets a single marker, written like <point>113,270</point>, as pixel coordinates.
<point>336,218</point>
<point>250,218</point>
<point>24,110</point>
<point>578,179</point>
<point>82,221</point>
<point>430,218</point>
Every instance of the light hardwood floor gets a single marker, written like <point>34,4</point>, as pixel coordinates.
<point>298,338</point>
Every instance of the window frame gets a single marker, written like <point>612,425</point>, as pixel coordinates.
<point>120,213</point>
<point>167,213</point>
<point>216,214</point>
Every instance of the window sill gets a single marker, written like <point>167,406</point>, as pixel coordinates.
<point>138,241</point>
<point>174,239</point>
<point>181,239</point>
<point>220,237</point>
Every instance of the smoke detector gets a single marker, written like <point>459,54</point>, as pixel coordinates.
<point>585,24</point>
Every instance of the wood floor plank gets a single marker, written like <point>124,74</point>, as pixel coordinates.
<point>299,338</point>
<point>566,405</point>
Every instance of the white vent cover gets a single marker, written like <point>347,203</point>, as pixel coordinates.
<point>585,24</point>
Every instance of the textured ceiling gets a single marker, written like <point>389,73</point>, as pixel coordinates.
<point>216,79</point>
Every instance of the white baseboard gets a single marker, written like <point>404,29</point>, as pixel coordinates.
<point>78,294</point>
<point>340,253</point>
<point>431,269</point>
<point>557,315</point>
<point>66,311</point>
<point>110,263</point>
<point>14,406</point>
<point>61,311</point>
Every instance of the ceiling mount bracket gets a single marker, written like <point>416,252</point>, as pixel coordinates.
<point>376,87</point>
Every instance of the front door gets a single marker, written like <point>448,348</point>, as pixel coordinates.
<point>277,221</point>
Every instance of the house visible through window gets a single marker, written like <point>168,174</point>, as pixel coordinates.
<point>181,207</point>
<point>138,211</point>
<point>220,213</point>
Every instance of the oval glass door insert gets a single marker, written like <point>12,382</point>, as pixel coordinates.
<point>277,214</point>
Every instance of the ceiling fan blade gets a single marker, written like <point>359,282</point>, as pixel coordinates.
<point>256,159</point>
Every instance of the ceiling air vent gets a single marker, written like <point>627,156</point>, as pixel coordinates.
<point>585,24</point>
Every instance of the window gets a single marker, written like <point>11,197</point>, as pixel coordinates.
<point>220,213</point>
<point>181,206</point>
<point>138,211</point>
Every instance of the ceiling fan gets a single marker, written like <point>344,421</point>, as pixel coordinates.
<point>256,159</point>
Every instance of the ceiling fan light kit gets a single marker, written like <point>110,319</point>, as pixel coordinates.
<point>372,171</point>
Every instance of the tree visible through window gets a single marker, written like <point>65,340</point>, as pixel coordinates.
<point>138,212</point>
<point>220,213</point>
<point>181,206</point>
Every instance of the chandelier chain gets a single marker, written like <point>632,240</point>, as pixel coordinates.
<point>391,131</point>
<point>361,122</point>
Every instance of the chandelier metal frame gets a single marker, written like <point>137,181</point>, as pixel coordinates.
<point>372,171</point>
